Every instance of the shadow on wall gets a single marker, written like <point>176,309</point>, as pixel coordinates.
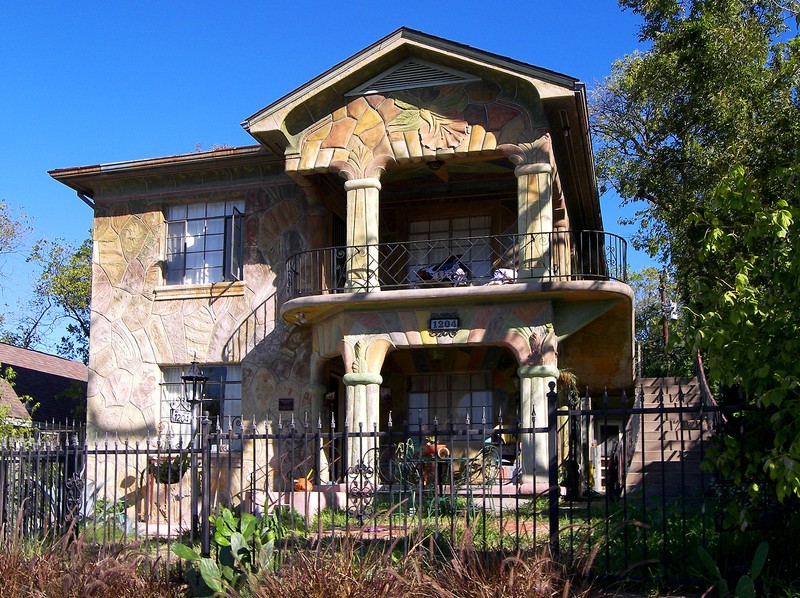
<point>267,342</point>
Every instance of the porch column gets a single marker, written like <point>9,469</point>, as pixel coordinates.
<point>535,215</point>
<point>363,358</point>
<point>362,399</point>
<point>534,172</point>
<point>362,234</point>
<point>321,465</point>
<point>534,387</point>
<point>316,226</point>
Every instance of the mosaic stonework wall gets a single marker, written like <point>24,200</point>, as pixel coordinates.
<point>139,325</point>
<point>526,329</point>
<point>368,132</point>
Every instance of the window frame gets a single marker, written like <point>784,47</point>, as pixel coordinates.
<point>450,397</point>
<point>203,244</point>
<point>466,236</point>
<point>225,410</point>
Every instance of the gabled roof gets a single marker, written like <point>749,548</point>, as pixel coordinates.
<point>9,398</point>
<point>276,123</point>
<point>58,385</point>
<point>42,362</point>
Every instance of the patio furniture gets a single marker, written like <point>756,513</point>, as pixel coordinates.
<point>432,475</point>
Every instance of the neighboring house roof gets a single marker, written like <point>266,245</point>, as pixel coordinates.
<point>58,385</point>
<point>9,398</point>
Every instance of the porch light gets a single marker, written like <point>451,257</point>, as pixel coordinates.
<point>435,164</point>
<point>194,383</point>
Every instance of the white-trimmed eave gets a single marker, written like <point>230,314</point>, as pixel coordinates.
<point>80,178</point>
<point>548,84</point>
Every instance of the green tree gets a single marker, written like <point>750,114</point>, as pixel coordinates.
<point>747,325</point>
<point>702,133</point>
<point>661,352</point>
<point>10,428</point>
<point>714,90</point>
<point>14,228</point>
<point>60,299</point>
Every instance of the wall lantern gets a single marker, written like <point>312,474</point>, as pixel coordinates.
<point>194,383</point>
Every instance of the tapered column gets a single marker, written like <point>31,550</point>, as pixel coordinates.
<point>362,399</point>
<point>534,220</point>
<point>535,172</point>
<point>363,357</point>
<point>362,234</point>
<point>534,388</point>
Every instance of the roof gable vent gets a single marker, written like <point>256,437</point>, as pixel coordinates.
<point>410,74</point>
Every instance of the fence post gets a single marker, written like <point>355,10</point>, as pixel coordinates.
<point>4,459</point>
<point>552,469</point>
<point>205,502</point>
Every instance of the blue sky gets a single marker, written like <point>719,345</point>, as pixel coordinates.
<point>87,82</point>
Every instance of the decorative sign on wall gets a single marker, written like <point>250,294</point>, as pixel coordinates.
<point>444,324</point>
<point>286,404</point>
<point>179,416</point>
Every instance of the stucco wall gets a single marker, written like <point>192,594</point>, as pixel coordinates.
<point>139,325</point>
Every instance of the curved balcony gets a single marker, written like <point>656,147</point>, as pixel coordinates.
<point>454,262</point>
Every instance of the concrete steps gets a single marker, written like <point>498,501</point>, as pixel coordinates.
<point>666,462</point>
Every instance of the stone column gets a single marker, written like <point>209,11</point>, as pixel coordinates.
<point>317,228</point>
<point>321,465</point>
<point>362,234</point>
<point>534,387</point>
<point>535,174</point>
<point>363,357</point>
<point>362,398</point>
<point>535,215</point>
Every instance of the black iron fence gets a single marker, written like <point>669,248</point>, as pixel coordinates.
<point>500,486</point>
<point>497,259</point>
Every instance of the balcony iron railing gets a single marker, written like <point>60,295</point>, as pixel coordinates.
<point>498,259</point>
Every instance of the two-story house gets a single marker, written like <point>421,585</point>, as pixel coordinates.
<point>416,233</point>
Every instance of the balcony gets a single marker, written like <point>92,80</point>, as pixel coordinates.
<point>458,262</point>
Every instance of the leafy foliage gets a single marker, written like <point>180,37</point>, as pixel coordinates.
<point>703,131</point>
<point>8,427</point>
<point>60,298</point>
<point>748,327</point>
<point>245,545</point>
<point>717,88</point>
<point>14,228</point>
<point>660,358</point>
<point>745,587</point>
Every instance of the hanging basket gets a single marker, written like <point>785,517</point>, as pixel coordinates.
<point>170,471</point>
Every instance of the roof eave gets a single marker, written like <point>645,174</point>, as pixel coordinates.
<point>265,125</point>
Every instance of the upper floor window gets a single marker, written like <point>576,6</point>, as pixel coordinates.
<point>204,242</point>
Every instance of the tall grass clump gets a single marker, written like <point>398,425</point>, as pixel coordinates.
<point>353,566</point>
<point>71,567</point>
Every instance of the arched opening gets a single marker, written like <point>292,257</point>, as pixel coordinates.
<point>445,386</point>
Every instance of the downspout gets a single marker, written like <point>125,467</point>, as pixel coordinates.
<point>85,200</point>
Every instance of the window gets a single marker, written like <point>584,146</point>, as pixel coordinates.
<point>436,242</point>
<point>449,399</point>
<point>204,242</point>
<point>223,394</point>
